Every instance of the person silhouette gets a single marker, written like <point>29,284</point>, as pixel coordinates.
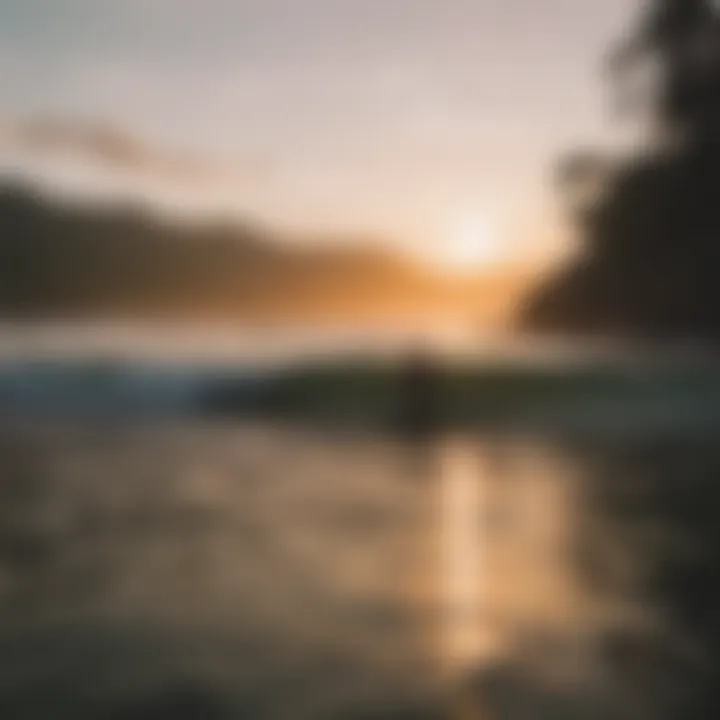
<point>421,412</point>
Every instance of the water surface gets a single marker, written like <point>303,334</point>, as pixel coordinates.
<point>185,569</point>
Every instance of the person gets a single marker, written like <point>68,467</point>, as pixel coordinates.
<point>421,411</point>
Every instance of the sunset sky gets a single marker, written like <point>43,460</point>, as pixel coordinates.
<point>400,117</point>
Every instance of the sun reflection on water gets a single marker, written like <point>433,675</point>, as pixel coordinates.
<point>461,573</point>
<point>505,525</point>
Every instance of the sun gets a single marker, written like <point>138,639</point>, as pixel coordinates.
<point>469,246</point>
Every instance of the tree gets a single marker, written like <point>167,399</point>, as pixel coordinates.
<point>650,264</point>
<point>681,37</point>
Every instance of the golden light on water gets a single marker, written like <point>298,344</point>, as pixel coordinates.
<point>461,560</point>
<point>503,571</point>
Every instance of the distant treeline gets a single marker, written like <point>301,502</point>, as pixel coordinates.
<point>68,259</point>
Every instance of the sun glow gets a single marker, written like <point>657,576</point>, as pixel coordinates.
<point>467,247</point>
<point>470,245</point>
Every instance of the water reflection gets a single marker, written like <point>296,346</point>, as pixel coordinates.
<point>218,571</point>
<point>547,561</point>
<point>506,515</point>
<point>460,582</point>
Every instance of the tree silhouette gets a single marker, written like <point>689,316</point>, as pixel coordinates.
<point>649,264</point>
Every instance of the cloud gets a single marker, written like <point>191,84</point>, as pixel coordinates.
<point>91,141</point>
<point>99,143</point>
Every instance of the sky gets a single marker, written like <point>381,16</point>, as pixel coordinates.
<point>403,118</point>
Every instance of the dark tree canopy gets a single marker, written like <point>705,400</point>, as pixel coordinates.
<point>649,265</point>
<point>683,38</point>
